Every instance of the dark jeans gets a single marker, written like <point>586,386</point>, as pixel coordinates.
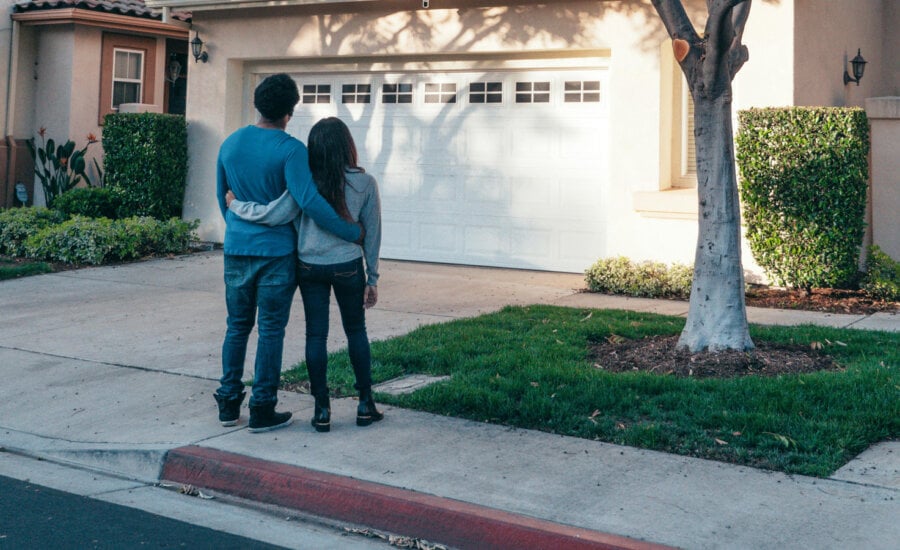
<point>349,283</point>
<point>263,286</point>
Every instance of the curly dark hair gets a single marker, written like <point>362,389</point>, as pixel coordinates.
<point>332,152</point>
<point>276,96</point>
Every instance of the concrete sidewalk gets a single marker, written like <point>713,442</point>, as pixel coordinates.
<point>114,368</point>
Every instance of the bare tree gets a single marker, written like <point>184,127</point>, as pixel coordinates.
<point>717,319</point>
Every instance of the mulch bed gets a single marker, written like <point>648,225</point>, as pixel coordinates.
<point>819,299</point>
<point>659,355</point>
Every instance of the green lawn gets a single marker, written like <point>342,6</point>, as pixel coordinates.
<point>11,269</point>
<point>528,367</point>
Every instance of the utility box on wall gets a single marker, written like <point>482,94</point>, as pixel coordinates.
<point>16,166</point>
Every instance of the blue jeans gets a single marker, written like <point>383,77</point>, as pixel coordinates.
<point>263,286</point>
<point>349,283</point>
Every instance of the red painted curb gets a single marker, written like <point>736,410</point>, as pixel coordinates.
<point>399,511</point>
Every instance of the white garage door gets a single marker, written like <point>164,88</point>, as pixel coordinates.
<point>504,168</point>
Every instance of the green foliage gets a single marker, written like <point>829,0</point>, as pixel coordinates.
<point>882,278</point>
<point>22,268</point>
<point>96,241</point>
<point>93,202</point>
<point>17,224</point>
<point>649,279</point>
<point>804,174</point>
<point>60,168</point>
<point>146,162</point>
<point>530,367</point>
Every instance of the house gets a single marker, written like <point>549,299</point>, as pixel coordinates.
<point>71,62</point>
<point>528,134</point>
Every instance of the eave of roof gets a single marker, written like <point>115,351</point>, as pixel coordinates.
<point>130,8</point>
<point>199,5</point>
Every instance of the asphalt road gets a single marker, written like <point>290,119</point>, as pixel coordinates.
<point>34,516</point>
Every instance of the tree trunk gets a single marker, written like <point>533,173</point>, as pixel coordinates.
<point>717,319</point>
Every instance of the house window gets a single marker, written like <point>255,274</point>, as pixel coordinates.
<point>532,92</point>
<point>440,93</point>
<point>678,160</point>
<point>316,93</point>
<point>578,91</point>
<point>396,93</point>
<point>356,93</point>
<point>128,76</point>
<point>486,92</point>
<point>127,72</point>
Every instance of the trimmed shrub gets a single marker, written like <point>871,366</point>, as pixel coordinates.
<point>648,279</point>
<point>96,241</point>
<point>146,163</point>
<point>804,173</point>
<point>93,202</point>
<point>882,278</point>
<point>17,224</point>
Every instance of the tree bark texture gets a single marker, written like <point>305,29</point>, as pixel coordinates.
<point>717,317</point>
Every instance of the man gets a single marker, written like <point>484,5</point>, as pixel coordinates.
<point>257,163</point>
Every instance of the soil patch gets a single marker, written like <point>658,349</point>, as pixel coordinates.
<point>658,355</point>
<point>829,300</point>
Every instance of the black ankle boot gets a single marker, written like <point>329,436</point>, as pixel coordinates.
<point>366,413</point>
<point>263,418</point>
<point>321,419</point>
<point>229,409</point>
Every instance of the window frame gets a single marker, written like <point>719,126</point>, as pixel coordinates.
<point>112,42</point>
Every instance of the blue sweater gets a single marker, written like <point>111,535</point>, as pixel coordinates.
<point>258,165</point>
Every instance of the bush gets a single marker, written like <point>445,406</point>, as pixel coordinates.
<point>804,173</point>
<point>882,278</point>
<point>648,279</point>
<point>17,224</point>
<point>146,163</point>
<point>93,202</point>
<point>96,241</point>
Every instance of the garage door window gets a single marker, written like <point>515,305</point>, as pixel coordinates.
<point>356,93</point>
<point>440,93</point>
<point>532,92</point>
<point>317,93</point>
<point>486,92</point>
<point>396,93</point>
<point>577,91</point>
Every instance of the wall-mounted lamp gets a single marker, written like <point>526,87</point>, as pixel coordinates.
<point>173,71</point>
<point>859,67</point>
<point>197,49</point>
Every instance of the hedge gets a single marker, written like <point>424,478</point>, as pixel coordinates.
<point>146,163</point>
<point>804,173</point>
<point>17,224</point>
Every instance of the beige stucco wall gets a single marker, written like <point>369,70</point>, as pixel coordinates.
<point>64,94</point>
<point>884,117</point>
<point>828,33</point>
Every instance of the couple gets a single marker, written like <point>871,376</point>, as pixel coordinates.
<point>302,215</point>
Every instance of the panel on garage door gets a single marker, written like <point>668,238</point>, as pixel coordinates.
<point>484,168</point>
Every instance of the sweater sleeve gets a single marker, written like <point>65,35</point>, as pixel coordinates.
<point>303,189</point>
<point>370,217</point>
<point>278,212</point>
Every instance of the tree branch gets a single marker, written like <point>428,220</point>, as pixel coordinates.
<point>724,52</point>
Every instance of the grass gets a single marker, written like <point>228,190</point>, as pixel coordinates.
<point>528,367</point>
<point>12,269</point>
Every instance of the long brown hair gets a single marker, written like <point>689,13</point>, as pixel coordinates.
<point>332,153</point>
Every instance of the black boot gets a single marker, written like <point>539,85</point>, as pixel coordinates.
<point>321,419</point>
<point>229,409</point>
<point>366,413</point>
<point>263,418</point>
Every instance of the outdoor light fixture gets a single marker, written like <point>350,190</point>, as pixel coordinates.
<point>859,66</point>
<point>197,49</point>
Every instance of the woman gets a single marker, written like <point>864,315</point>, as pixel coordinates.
<point>328,263</point>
